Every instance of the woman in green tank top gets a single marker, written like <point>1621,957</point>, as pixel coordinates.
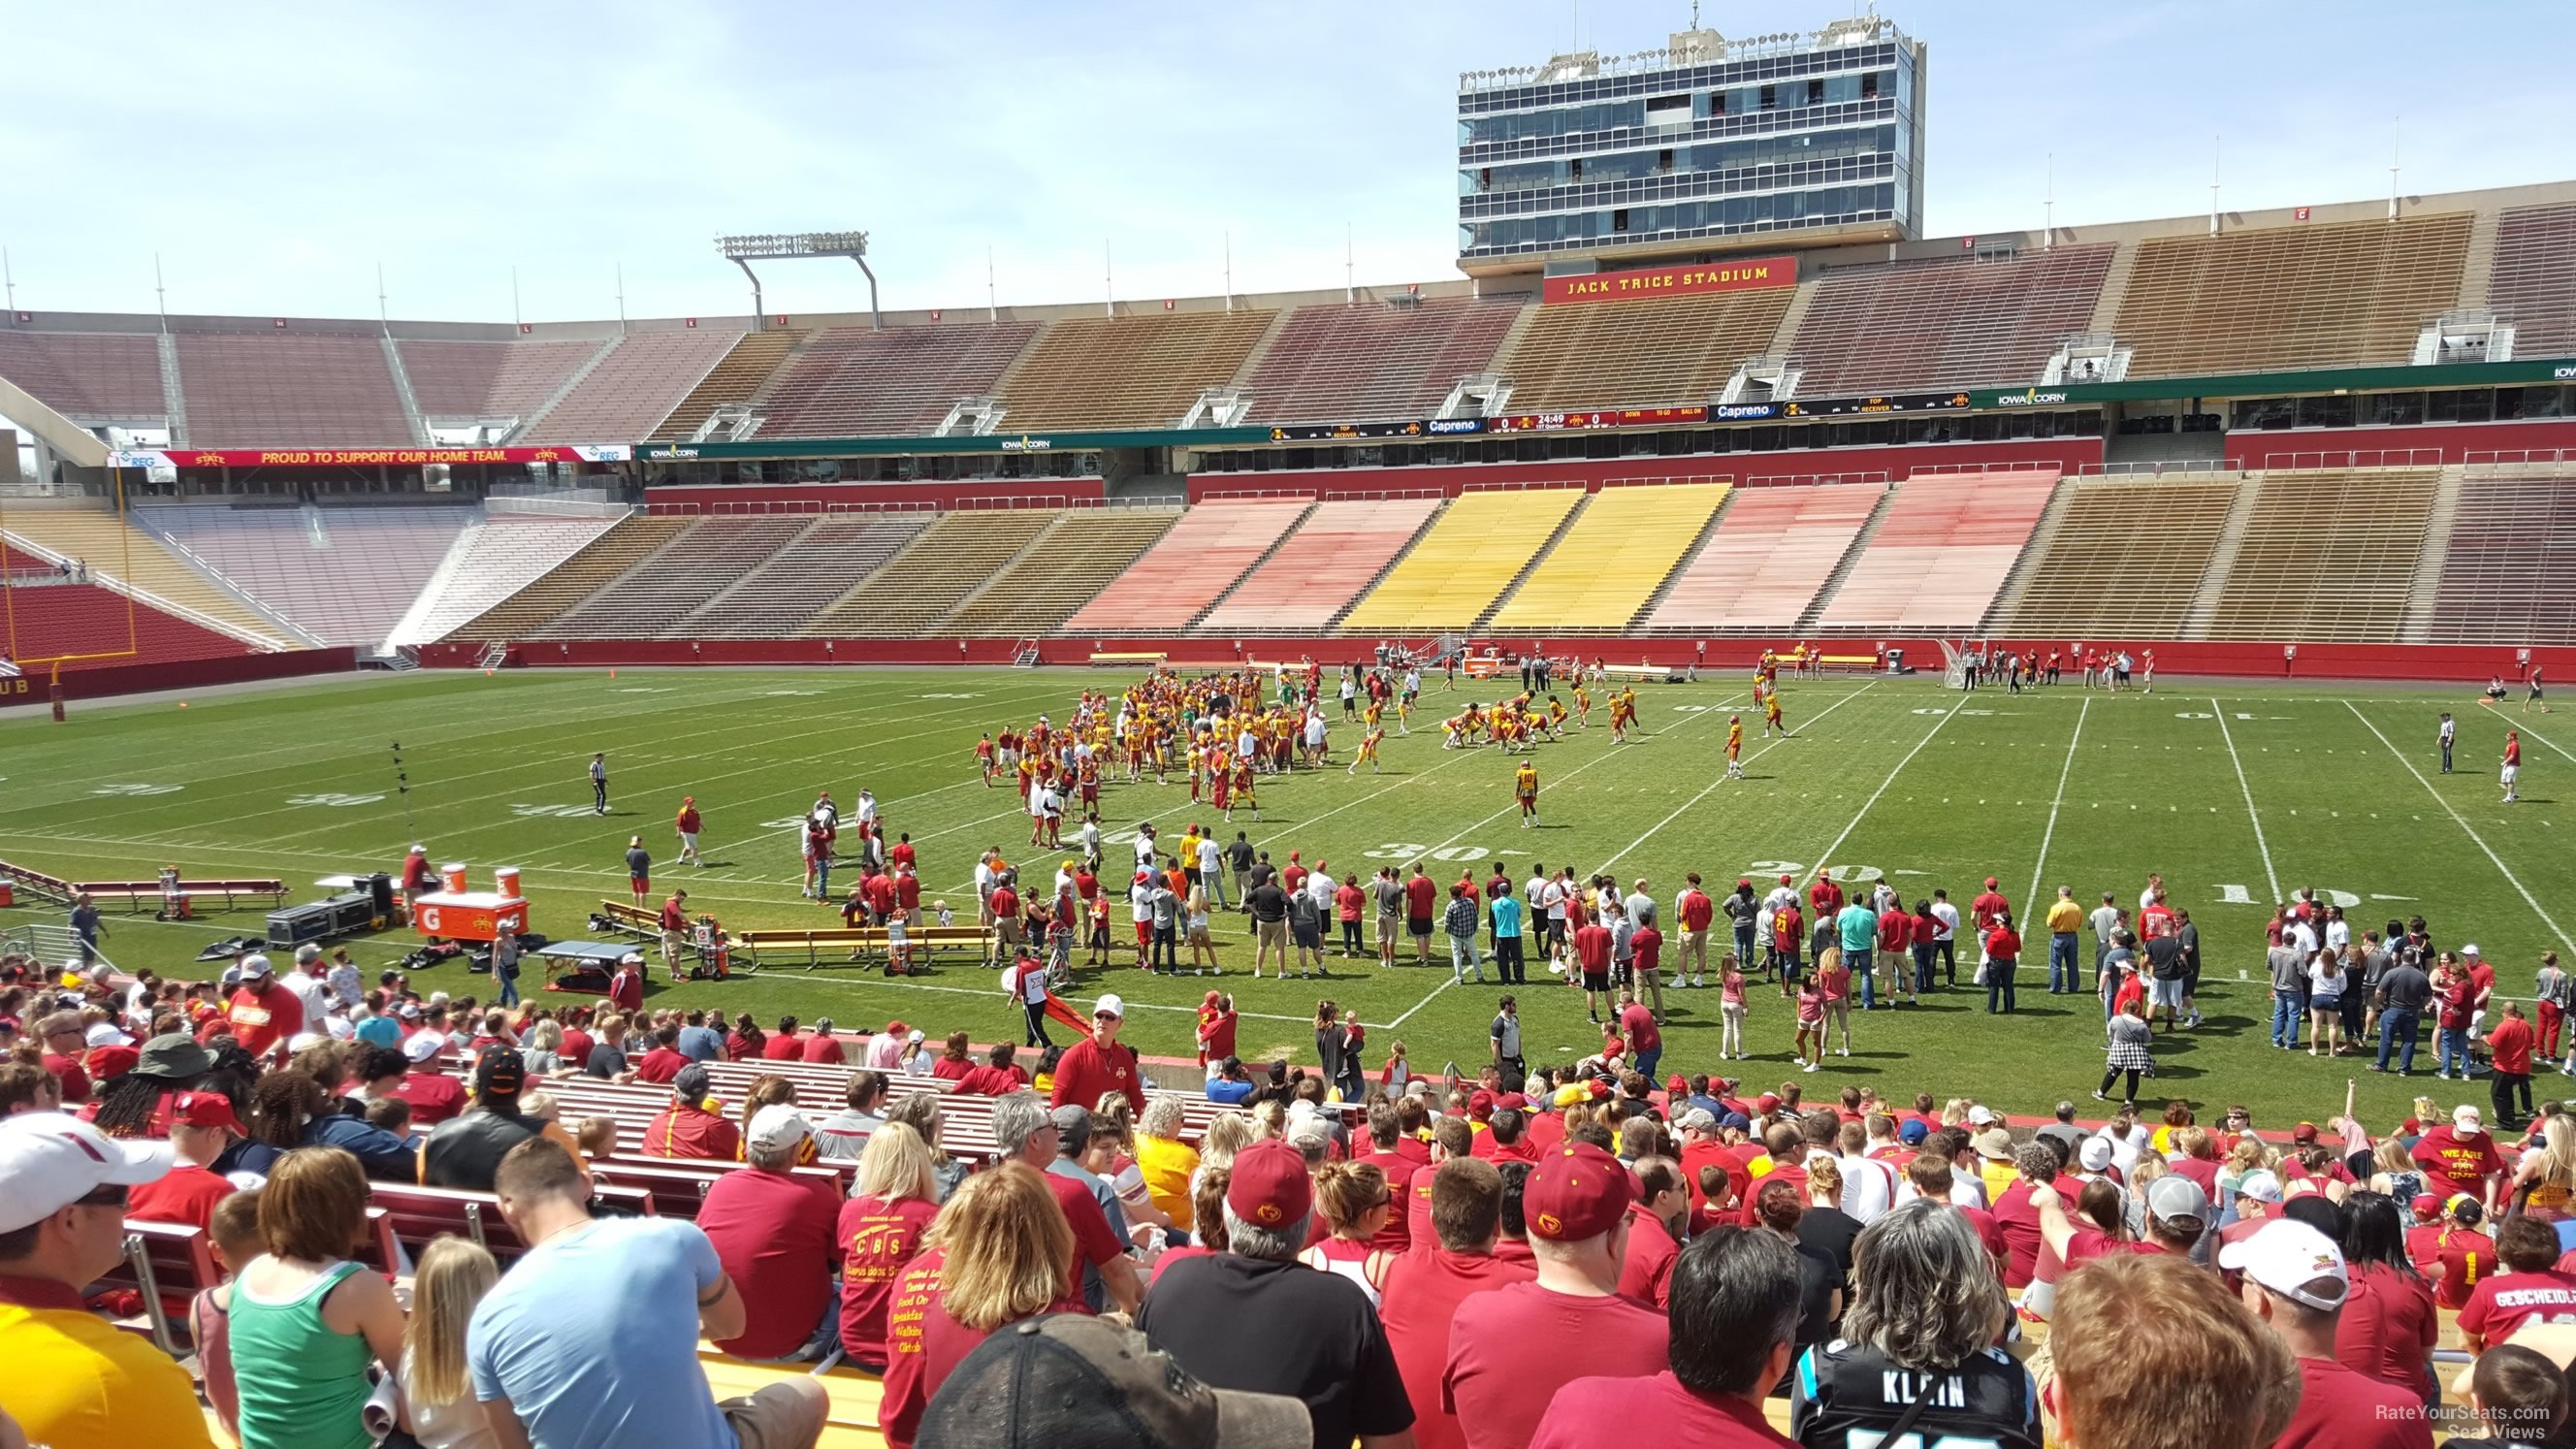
<point>305,1320</point>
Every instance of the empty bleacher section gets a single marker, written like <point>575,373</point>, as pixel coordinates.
<point>1673,352</point>
<point>1470,555</point>
<point>464,381</point>
<point>1949,322</point>
<point>2326,555</point>
<point>568,583</point>
<point>1375,360</point>
<point>847,382</point>
<point>2534,282</point>
<point>86,376</point>
<point>1126,372</point>
<point>699,562</point>
<point>1772,551</point>
<point>2122,561</point>
<point>1314,574</point>
<point>734,380</point>
<point>947,561</point>
<point>1614,558</point>
<point>111,549</point>
<point>289,389</point>
<point>490,562</point>
<point>2327,294</point>
<point>2510,577</point>
<point>1069,565</point>
<point>784,594</point>
<point>1941,552</point>
<point>633,388</point>
<point>1193,563</point>
<point>46,621</point>
<point>343,575</point>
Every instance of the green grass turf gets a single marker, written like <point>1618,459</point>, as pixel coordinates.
<point>1899,775</point>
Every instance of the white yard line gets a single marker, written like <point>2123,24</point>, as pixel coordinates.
<point>784,974</point>
<point>2460,820</point>
<point>1712,785</point>
<point>1614,752</point>
<point>2039,870</point>
<point>1826,857</point>
<point>2517,724</point>
<point>2270,878</point>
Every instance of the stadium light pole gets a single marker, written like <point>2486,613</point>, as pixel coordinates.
<point>742,250</point>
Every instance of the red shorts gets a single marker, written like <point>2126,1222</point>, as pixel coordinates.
<point>1144,933</point>
<point>1090,792</point>
<point>638,884</point>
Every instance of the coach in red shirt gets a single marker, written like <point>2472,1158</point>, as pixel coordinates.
<point>1989,907</point>
<point>1098,1065</point>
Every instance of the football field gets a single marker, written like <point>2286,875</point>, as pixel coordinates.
<point>2238,794</point>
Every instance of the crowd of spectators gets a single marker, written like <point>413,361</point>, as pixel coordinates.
<point>1477,1262</point>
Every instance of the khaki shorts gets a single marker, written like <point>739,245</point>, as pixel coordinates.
<point>1274,933</point>
<point>786,1415</point>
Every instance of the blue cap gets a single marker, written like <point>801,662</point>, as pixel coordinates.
<point>1913,1132</point>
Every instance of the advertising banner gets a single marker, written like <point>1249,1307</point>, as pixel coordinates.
<point>1682,281</point>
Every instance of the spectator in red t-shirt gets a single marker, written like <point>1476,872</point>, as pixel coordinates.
<point>822,1046</point>
<point>777,1235</point>
<point>2530,1290</point>
<point>202,1125</point>
<point>2461,1157</point>
<point>2294,1280</point>
<point>687,1129</point>
<point>783,1045</point>
<point>1655,1222</point>
<point>264,1016</point>
<point>434,1095</point>
<point>1576,1205</point>
<point>1004,1234</point>
<point>60,1036</point>
<point>998,1074</point>
<point>1098,1064</point>
<point>664,1061</point>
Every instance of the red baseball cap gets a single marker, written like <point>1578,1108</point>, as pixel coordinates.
<point>1676,1085</point>
<point>1990,882</point>
<point>1270,1187</point>
<point>1742,884</point>
<point>1480,1105</point>
<point>204,1109</point>
<point>2303,1133</point>
<point>1599,1089</point>
<point>1577,1192</point>
<point>1784,877</point>
<point>1512,1102</point>
<point>1767,1102</point>
<point>2427,1207</point>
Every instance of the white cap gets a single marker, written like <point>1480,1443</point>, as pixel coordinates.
<point>2095,1154</point>
<point>630,959</point>
<point>307,954</point>
<point>2466,1121</point>
<point>420,850</point>
<point>49,1161</point>
<point>254,965</point>
<point>2294,1260</point>
<point>1110,1005</point>
<point>778,1125</point>
<point>916,1035</point>
<point>420,1046</point>
<point>105,1034</point>
<point>1982,1116</point>
<point>2260,1185</point>
<point>2470,949</point>
<point>303,1039</point>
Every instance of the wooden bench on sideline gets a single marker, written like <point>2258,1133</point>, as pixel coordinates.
<point>51,887</point>
<point>136,894</point>
<point>844,945</point>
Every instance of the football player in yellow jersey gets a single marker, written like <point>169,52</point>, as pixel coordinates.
<point>1582,705</point>
<point>1555,717</point>
<point>1525,789</point>
<point>1735,747</point>
<point>1456,727</point>
<point>1374,714</point>
<point>1771,715</point>
<point>1404,713</point>
<point>1368,750</point>
<point>1243,794</point>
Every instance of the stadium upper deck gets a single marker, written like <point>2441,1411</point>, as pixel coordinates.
<point>2482,275</point>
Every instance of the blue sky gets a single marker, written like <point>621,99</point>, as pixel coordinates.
<point>274,154</point>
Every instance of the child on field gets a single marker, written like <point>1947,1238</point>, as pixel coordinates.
<point>1811,1022</point>
<point>1730,1005</point>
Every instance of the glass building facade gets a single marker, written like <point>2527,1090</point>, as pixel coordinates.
<point>1688,149</point>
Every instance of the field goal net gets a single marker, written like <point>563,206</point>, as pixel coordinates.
<point>1954,663</point>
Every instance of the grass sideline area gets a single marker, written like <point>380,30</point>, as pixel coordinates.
<point>2237,793</point>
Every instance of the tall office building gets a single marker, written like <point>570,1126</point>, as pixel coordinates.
<point>1706,146</point>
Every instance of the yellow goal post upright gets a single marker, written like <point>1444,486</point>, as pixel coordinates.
<point>43,573</point>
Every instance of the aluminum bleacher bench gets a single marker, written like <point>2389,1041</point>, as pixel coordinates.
<point>415,1214</point>
<point>1130,656</point>
<point>167,1264</point>
<point>628,917</point>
